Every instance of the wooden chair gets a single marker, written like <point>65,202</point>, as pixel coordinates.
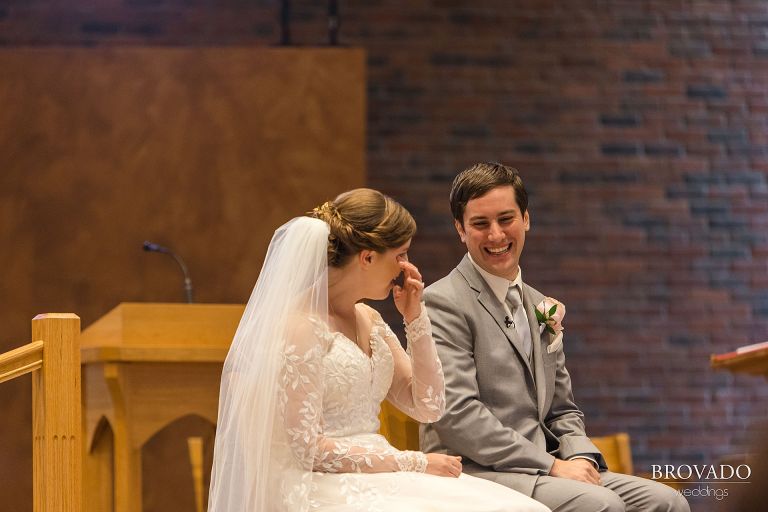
<point>617,452</point>
<point>401,430</point>
<point>54,361</point>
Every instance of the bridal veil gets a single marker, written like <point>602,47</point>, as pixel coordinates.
<point>263,454</point>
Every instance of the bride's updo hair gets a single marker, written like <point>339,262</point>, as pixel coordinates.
<point>363,219</point>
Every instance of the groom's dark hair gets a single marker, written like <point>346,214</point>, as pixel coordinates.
<point>480,179</point>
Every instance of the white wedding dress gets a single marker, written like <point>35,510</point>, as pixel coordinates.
<point>331,395</point>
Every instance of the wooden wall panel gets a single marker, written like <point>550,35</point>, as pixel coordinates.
<point>206,150</point>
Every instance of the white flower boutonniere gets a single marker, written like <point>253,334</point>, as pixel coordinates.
<point>550,313</point>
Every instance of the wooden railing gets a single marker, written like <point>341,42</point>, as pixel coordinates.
<point>54,361</point>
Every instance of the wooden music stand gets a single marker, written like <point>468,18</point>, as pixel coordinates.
<point>753,362</point>
<point>144,366</point>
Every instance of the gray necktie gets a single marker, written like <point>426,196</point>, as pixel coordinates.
<point>519,318</point>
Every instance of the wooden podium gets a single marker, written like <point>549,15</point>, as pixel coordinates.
<point>145,365</point>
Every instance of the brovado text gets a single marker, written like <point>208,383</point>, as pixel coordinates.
<point>702,472</point>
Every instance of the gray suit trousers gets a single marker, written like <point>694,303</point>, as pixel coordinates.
<point>618,493</point>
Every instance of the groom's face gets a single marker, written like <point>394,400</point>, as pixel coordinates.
<point>494,231</point>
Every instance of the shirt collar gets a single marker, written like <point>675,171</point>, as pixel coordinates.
<point>499,285</point>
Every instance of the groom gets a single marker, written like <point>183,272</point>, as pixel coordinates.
<point>510,411</point>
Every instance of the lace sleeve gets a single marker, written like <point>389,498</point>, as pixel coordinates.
<point>417,386</point>
<point>301,398</point>
<point>341,456</point>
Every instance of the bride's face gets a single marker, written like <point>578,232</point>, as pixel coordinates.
<point>383,270</point>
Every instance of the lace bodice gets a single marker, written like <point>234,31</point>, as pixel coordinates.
<point>333,392</point>
<point>354,384</point>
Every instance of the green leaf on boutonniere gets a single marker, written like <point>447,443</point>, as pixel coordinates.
<point>540,316</point>
<point>552,310</point>
<point>550,329</point>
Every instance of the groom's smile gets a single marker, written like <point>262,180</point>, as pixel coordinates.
<point>499,250</point>
<point>493,229</point>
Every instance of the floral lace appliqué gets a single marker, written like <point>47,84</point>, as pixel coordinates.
<point>420,328</point>
<point>411,461</point>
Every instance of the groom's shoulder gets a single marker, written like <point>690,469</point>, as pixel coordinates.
<point>535,294</point>
<point>446,288</point>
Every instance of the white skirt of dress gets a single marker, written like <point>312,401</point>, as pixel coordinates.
<point>414,492</point>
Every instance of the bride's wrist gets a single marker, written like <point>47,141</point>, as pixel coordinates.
<point>418,326</point>
<point>415,462</point>
<point>413,316</point>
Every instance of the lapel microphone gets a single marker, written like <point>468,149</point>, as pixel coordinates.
<point>508,322</point>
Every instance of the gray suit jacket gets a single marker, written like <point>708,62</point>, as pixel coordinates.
<point>508,417</point>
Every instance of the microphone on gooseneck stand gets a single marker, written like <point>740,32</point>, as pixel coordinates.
<point>150,247</point>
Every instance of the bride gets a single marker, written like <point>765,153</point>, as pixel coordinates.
<point>310,364</point>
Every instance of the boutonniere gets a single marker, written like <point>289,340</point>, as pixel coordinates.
<point>549,314</point>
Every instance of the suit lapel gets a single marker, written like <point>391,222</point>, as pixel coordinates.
<point>538,358</point>
<point>494,308</point>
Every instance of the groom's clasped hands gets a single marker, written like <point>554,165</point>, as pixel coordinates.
<point>576,469</point>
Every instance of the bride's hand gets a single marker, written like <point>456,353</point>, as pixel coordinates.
<point>443,465</point>
<point>408,297</point>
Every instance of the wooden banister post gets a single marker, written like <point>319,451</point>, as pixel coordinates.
<point>56,416</point>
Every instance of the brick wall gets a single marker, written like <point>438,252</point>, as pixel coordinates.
<point>639,128</point>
